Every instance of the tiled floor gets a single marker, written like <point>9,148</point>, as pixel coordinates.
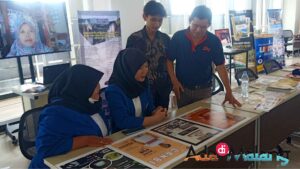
<point>11,157</point>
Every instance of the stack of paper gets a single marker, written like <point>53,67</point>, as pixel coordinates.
<point>284,85</point>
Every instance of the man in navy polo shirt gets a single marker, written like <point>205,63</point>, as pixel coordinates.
<point>195,51</point>
<point>154,44</point>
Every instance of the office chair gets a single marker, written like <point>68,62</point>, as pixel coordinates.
<point>296,45</point>
<point>287,36</point>
<point>28,130</point>
<point>252,76</point>
<point>271,66</point>
<point>217,85</point>
<point>10,133</point>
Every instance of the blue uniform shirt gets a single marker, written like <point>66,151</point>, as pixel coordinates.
<point>122,109</point>
<point>58,126</point>
<point>194,62</point>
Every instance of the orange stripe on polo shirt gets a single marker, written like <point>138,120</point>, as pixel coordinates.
<point>194,45</point>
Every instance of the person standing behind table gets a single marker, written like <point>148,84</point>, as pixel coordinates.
<point>71,120</point>
<point>128,94</point>
<point>195,49</point>
<point>154,44</point>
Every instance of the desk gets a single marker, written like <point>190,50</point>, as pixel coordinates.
<point>32,100</point>
<point>230,52</point>
<point>280,73</point>
<point>240,135</point>
<point>279,123</point>
<point>274,124</point>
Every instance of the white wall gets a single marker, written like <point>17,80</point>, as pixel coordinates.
<point>101,5</point>
<point>131,12</point>
<point>297,18</point>
<point>72,7</point>
<point>289,14</point>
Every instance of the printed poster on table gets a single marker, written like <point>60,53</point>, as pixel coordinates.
<point>214,118</point>
<point>100,40</point>
<point>257,101</point>
<point>263,81</point>
<point>186,131</point>
<point>152,148</point>
<point>103,158</point>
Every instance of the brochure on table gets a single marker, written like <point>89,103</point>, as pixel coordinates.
<point>258,102</point>
<point>263,81</point>
<point>281,73</point>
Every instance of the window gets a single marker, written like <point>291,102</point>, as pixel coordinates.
<point>179,11</point>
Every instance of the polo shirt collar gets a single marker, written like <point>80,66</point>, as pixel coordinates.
<point>189,37</point>
<point>145,34</point>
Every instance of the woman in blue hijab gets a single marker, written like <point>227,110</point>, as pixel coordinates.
<point>72,118</point>
<point>27,42</point>
<point>128,94</point>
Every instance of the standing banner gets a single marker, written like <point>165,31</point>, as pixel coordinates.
<point>241,27</point>
<point>100,40</point>
<point>274,21</point>
<point>264,51</point>
<point>275,28</point>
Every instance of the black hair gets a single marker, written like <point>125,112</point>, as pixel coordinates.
<point>201,12</point>
<point>154,8</point>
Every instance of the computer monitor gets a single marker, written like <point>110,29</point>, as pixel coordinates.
<point>224,36</point>
<point>33,28</point>
<point>51,72</point>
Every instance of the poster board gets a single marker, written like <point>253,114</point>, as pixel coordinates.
<point>221,120</point>
<point>241,29</point>
<point>275,28</point>
<point>100,40</point>
<point>101,158</point>
<point>186,131</point>
<point>241,26</point>
<point>224,36</point>
<point>152,149</point>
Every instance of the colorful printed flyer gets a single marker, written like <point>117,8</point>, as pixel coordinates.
<point>103,158</point>
<point>214,118</point>
<point>186,131</point>
<point>151,148</point>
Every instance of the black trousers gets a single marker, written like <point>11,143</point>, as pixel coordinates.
<point>161,93</point>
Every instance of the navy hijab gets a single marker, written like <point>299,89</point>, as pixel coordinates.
<point>74,87</point>
<point>127,63</point>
